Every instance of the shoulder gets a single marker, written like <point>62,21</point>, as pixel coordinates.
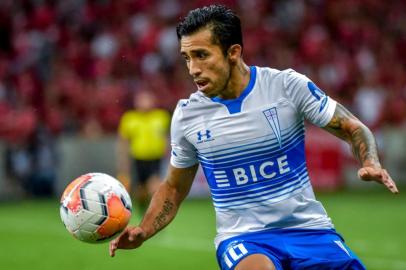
<point>128,121</point>
<point>129,115</point>
<point>287,75</point>
<point>280,83</point>
<point>290,76</point>
<point>267,72</point>
<point>191,105</point>
<point>290,80</point>
<point>276,76</point>
<point>160,113</point>
<point>179,112</point>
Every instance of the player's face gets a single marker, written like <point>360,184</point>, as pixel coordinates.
<point>206,62</point>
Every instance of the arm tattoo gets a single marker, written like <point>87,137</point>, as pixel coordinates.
<point>162,218</point>
<point>364,145</point>
<point>346,126</point>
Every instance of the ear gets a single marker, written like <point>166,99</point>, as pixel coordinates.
<point>234,53</point>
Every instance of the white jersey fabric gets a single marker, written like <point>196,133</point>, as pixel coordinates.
<point>252,152</point>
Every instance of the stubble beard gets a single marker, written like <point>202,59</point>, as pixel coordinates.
<point>226,82</point>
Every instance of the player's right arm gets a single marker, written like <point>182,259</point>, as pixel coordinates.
<point>161,211</point>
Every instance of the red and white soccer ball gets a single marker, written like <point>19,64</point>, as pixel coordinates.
<point>95,207</point>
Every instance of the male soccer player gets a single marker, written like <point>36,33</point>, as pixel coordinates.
<point>245,127</point>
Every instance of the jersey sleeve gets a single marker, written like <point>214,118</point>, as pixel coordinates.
<point>310,101</point>
<point>183,153</point>
<point>123,130</point>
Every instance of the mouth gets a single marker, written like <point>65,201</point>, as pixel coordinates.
<point>201,84</point>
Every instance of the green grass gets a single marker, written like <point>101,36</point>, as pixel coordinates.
<point>373,224</point>
<point>33,237</point>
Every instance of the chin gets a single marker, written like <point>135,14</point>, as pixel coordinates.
<point>208,93</point>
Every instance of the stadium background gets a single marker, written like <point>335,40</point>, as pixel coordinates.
<point>68,68</point>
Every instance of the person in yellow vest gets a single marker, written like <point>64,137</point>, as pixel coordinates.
<point>142,144</point>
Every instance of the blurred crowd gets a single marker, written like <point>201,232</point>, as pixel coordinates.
<point>71,66</point>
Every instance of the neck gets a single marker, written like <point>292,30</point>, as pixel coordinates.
<point>237,82</point>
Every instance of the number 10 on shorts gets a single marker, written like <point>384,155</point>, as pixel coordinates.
<point>234,253</point>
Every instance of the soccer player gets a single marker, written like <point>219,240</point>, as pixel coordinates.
<point>245,127</point>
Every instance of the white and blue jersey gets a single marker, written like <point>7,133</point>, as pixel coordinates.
<point>252,151</point>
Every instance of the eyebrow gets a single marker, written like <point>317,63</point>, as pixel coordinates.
<point>194,51</point>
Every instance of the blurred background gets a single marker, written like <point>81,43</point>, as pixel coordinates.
<point>69,70</point>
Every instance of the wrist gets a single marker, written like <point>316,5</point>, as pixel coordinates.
<point>372,163</point>
<point>148,232</point>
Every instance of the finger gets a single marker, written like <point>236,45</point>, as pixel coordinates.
<point>362,173</point>
<point>112,249</point>
<point>389,183</point>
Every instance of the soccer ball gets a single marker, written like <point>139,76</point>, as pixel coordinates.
<point>95,207</point>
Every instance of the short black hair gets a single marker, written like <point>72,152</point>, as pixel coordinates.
<point>224,24</point>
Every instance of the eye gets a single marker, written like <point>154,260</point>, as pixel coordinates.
<point>186,58</point>
<point>201,55</point>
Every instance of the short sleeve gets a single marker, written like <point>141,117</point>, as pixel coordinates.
<point>183,153</point>
<point>310,100</point>
<point>123,127</point>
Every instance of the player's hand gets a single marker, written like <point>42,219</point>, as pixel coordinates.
<point>132,237</point>
<point>379,175</point>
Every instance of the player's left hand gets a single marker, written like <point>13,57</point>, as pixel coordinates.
<point>131,238</point>
<point>379,175</point>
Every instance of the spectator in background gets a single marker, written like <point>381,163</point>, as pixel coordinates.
<point>142,142</point>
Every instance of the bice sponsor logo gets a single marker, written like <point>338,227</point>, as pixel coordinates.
<point>252,173</point>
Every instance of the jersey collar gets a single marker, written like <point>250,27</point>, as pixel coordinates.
<point>234,105</point>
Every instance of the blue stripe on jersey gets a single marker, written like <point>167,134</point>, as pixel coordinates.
<point>278,195</point>
<point>256,157</point>
<point>234,105</point>
<point>286,193</point>
<point>241,157</point>
<point>260,141</point>
<point>250,153</point>
<point>266,193</point>
<point>272,142</point>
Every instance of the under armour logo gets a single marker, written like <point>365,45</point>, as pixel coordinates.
<point>200,135</point>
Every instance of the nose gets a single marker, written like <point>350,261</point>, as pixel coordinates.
<point>194,69</point>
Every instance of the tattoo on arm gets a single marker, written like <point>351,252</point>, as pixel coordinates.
<point>346,126</point>
<point>163,217</point>
<point>364,145</point>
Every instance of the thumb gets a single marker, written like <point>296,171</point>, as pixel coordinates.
<point>362,173</point>
<point>370,174</point>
